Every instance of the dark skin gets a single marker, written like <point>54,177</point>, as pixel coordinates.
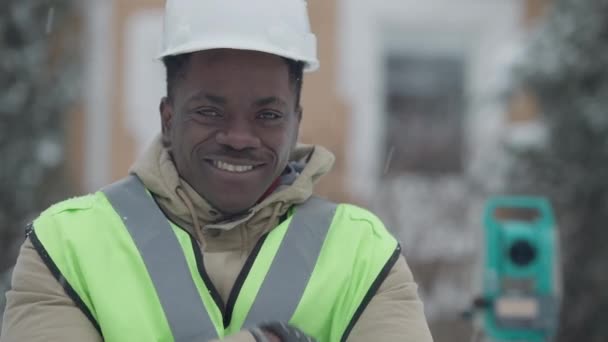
<point>231,125</point>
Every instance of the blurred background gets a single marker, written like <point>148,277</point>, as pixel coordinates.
<point>430,106</point>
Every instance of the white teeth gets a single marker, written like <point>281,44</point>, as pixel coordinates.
<point>232,168</point>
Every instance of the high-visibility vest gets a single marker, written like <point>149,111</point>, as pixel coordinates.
<point>139,277</point>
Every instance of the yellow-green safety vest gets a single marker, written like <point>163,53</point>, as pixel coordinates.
<point>139,277</point>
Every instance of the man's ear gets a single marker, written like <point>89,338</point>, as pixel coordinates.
<point>299,113</point>
<point>166,120</point>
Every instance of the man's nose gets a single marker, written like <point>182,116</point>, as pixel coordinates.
<point>239,135</point>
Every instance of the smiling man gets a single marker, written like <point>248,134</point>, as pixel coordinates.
<point>215,234</point>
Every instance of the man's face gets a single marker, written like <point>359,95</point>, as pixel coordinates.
<point>231,125</point>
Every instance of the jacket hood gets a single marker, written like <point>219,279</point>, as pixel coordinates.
<point>189,209</point>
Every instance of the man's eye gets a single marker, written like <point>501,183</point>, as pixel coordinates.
<point>208,113</point>
<point>269,116</point>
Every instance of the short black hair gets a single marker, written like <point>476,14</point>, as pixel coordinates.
<point>175,65</point>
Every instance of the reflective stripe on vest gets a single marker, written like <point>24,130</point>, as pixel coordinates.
<point>166,264</point>
<point>164,260</point>
<point>294,262</point>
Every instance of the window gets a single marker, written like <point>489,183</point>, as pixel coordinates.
<point>424,105</point>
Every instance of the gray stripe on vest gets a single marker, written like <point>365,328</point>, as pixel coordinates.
<point>284,285</point>
<point>164,260</point>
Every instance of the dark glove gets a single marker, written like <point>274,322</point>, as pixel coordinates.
<point>284,331</point>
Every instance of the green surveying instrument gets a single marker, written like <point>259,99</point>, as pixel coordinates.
<point>521,277</point>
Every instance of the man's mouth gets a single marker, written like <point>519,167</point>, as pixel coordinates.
<point>230,167</point>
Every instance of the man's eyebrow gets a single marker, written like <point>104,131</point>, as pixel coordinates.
<point>216,99</point>
<point>268,101</point>
<point>213,98</point>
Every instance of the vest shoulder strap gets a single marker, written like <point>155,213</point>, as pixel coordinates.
<point>292,266</point>
<point>164,260</point>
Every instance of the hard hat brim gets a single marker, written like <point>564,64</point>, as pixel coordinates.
<point>310,65</point>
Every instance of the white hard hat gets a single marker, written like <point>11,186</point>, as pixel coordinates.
<point>279,27</point>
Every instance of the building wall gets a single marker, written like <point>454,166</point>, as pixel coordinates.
<point>123,141</point>
<point>107,143</point>
<point>535,10</point>
<point>325,114</point>
<point>481,34</point>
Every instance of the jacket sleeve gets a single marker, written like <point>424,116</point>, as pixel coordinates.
<point>395,313</point>
<point>37,307</point>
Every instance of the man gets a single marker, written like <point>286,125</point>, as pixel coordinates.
<point>216,233</point>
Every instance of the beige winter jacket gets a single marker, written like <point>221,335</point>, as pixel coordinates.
<point>38,308</point>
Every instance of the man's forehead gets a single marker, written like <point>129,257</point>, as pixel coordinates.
<point>248,57</point>
<point>222,100</point>
<point>226,69</point>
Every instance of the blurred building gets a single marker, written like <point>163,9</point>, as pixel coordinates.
<point>402,79</point>
<point>415,98</point>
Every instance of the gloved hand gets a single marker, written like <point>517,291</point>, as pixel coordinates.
<point>284,331</point>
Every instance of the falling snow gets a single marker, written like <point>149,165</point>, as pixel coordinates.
<point>50,20</point>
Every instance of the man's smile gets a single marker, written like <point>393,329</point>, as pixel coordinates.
<point>231,167</point>
<point>234,166</point>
